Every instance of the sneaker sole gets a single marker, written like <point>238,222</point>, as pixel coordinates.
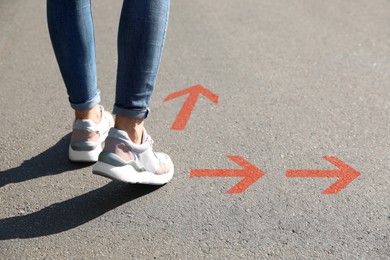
<point>128,174</point>
<point>85,156</point>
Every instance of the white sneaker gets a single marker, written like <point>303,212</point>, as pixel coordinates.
<point>88,138</point>
<point>125,161</point>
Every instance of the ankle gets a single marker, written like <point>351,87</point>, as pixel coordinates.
<point>133,126</point>
<point>93,114</point>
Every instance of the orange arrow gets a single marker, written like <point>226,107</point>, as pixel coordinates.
<point>186,110</point>
<point>345,174</point>
<point>250,173</point>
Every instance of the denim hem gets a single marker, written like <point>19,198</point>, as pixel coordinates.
<point>86,105</point>
<point>133,113</point>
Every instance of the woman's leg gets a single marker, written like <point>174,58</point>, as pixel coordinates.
<point>128,153</point>
<point>72,35</point>
<point>141,37</point>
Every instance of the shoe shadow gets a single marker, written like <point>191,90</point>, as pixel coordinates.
<point>72,213</point>
<point>52,161</point>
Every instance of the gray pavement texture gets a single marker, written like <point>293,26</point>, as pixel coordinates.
<point>297,80</point>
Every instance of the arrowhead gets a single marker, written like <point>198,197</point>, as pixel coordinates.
<point>195,91</point>
<point>186,110</point>
<point>346,175</point>
<point>250,173</point>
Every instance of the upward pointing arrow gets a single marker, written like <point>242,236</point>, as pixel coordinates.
<point>185,112</point>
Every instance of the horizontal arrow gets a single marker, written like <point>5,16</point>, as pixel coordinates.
<point>345,174</point>
<point>250,173</point>
<point>185,112</point>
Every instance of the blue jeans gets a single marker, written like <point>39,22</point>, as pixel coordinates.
<point>141,37</point>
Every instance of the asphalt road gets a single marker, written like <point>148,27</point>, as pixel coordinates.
<point>296,81</point>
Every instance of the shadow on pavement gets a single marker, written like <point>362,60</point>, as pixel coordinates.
<point>72,213</point>
<point>52,161</point>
